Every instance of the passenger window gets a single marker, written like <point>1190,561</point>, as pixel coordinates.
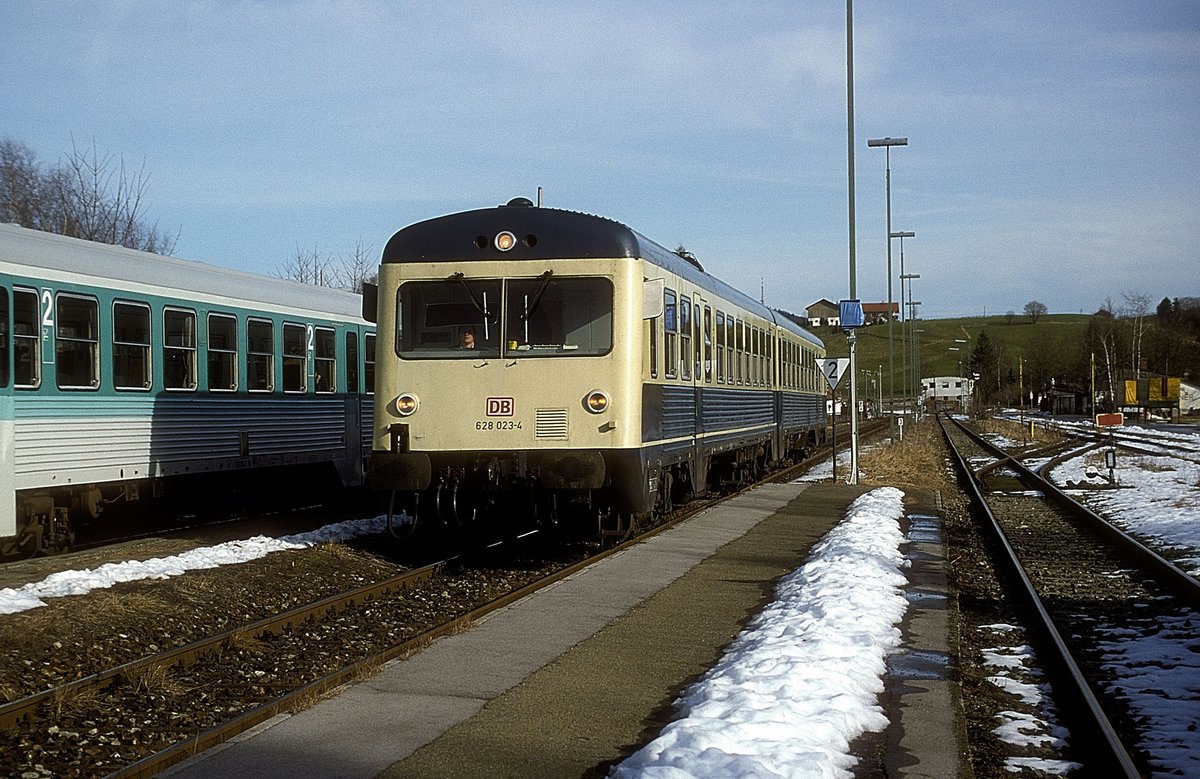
<point>295,359</point>
<point>325,360</point>
<point>352,372</point>
<point>708,345</point>
<point>77,342</point>
<point>27,345</point>
<point>131,346</point>
<point>669,328</point>
<point>685,338</point>
<point>369,363</point>
<point>720,347</point>
<point>179,349</point>
<point>222,352</point>
<point>260,355</point>
<point>4,337</point>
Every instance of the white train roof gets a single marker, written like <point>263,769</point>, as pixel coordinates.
<point>105,265</point>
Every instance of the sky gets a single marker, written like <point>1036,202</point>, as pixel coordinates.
<point>790,664</point>
<point>1051,146</point>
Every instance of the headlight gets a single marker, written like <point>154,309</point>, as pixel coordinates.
<point>596,402</point>
<point>406,405</point>
<point>505,241</point>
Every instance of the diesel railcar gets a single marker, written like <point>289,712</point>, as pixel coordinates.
<point>561,358</point>
<point>126,376</point>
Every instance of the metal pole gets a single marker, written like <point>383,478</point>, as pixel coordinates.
<point>853,280</point>
<point>887,144</point>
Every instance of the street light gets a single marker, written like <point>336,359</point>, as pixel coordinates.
<point>907,322</point>
<point>887,144</point>
<point>902,234</point>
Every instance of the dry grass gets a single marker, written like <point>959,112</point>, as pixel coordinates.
<point>917,461</point>
<point>155,681</point>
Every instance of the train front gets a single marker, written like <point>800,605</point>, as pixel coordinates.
<point>509,364</point>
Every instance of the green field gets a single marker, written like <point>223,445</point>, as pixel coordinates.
<point>1017,338</point>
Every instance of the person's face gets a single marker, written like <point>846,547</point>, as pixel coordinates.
<point>468,338</point>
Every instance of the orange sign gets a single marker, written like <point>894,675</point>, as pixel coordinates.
<point>1110,420</point>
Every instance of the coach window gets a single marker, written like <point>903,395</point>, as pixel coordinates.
<point>179,349</point>
<point>739,351</point>
<point>27,345</point>
<point>352,385</point>
<point>131,346</point>
<point>720,347</point>
<point>369,363</point>
<point>669,328</point>
<point>260,355</point>
<point>325,360</point>
<point>295,359</point>
<point>222,353</point>
<point>685,338</point>
<point>77,342</point>
<point>4,337</point>
<point>708,345</point>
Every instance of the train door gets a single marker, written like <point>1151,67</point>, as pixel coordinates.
<point>8,495</point>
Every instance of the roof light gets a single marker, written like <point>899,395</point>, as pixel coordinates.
<point>505,241</point>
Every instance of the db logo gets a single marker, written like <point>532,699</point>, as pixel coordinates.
<point>499,407</point>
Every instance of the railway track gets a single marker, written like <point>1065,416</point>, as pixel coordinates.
<point>139,717</point>
<point>1110,612</point>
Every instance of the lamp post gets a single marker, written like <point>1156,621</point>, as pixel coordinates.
<point>918,383</point>
<point>887,144</point>
<point>902,234</point>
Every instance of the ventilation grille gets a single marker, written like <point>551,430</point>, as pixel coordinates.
<point>552,423</point>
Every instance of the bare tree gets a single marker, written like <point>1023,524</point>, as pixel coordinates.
<point>358,269</point>
<point>309,267</point>
<point>86,196</point>
<point>1136,309</point>
<point>1035,309</point>
<point>331,270</point>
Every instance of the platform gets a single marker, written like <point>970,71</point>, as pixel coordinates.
<point>577,676</point>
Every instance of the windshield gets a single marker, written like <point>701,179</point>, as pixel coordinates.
<point>542,317</point>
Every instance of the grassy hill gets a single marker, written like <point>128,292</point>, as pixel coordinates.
<point>939,336</point>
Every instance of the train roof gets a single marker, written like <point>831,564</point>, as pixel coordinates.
<point>551,233</point>
<point>104,263</point>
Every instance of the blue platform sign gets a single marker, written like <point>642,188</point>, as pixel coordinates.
<point>851,314</point>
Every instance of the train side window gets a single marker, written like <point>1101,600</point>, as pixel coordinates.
<point>369,363</point>
<point>260,355</point>
<point>295,359</point>
<point>720,347</point>
<point>4,363</point>
<point>352,385</point>
<point>222,352</point>
<point>685,338</point>
<point>131,346</point>
<point>669,327</point>
<point>325,360</point>
<point>179,349</point>
<point>77,342</point>
<point>729,347</point>
<point>27,344</point>
<point>739,351</point>
<point>708,345</point>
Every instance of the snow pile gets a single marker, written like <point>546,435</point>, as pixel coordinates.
<point>63,583</point>
<point>801,682</point>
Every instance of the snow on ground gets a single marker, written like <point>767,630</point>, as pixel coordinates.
<point>1015,672</point>
<point>30,596</point>
<point>801,682</point>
